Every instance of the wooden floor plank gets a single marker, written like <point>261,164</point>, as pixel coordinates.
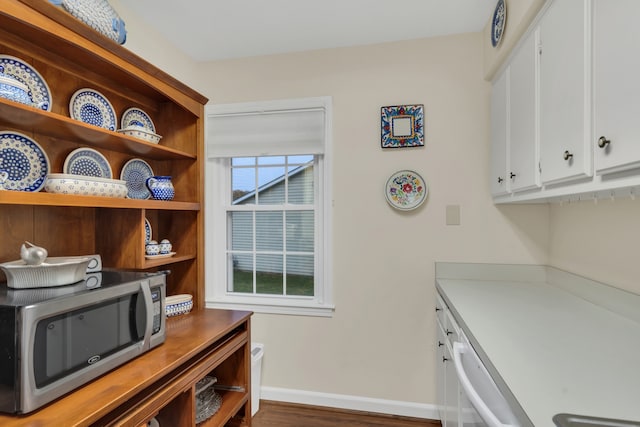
<point>281,414</point>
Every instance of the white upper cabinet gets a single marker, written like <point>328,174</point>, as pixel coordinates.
<point>499,136</point>
<point>564,95</point>
<point>522,135</point>
<point>616,56</point>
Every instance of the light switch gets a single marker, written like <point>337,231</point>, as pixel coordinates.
<point>453,214</point>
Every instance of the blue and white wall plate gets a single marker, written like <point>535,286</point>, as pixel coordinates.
<point>136,172</point>
<point>24,162</point>
<point>136,117</point>
<point>91,107</point>
<point>498,23</point>
<point>26,74</point>
<point>87,162</point>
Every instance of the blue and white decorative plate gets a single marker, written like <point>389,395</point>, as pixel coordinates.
<point>90,106</point>
<point>87,162</point>
<point>136,117</point>
<point>24,161</point>
<point>25,73</point>
<point>405,190</point>
<point>148,233</point>
<point>136,172</point>
<point>498,22</point>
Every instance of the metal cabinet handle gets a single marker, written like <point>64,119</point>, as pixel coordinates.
<point>603,142</point>
<point>444,359</point>
<point>440,343</point>
<point>438,309</point>
<point>567,155</point>
<point>500,179</point>
<point>449,332</point>
<point>512,175</point>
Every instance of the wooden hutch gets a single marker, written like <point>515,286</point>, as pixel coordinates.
<point>161,383</point>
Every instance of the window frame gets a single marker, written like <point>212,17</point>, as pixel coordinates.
<point>218,200</point>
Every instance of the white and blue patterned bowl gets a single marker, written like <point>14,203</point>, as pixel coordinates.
<point>61,183</point>
<point>178,304</point>
<point>14,90</point>
<point>140,133</point>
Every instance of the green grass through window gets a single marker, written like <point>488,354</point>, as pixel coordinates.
<point>271,283</point>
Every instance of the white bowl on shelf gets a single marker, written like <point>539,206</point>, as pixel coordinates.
<point>140,133</point>
<point>54,271</point>
<point>80,185</point>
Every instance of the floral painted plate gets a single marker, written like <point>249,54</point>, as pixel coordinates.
<point>405,190</point>
<point>91,107</point>
<point>23,163</point>
<point>87,162</point>
<point>23,72</point>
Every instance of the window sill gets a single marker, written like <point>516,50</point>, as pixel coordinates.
<point>294,310</point>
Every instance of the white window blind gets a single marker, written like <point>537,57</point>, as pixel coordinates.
<point>267,131</point>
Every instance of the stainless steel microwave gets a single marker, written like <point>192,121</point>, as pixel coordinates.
<point>53,340</point>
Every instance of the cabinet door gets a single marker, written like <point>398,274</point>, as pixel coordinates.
<point>451,389</point>
<point>499,135</point>
<point>523,149</point>
<point>616,51</point>
<point>440,373</point>
<point>565,147</point>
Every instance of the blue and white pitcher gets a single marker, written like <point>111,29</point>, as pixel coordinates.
<point>161,187</point>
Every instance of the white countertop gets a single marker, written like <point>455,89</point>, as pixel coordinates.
<point>555,351</point>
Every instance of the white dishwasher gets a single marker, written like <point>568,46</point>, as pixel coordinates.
<point>481,402</point>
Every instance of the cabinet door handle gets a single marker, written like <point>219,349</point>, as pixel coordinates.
<point>444,359</point>
<point>567,155</point>
<point>500,179</point>
<point>438,309</point>
<point>449,332</point>
<point>603,142</point>
<point>440,343</point>
<point>512,175</point>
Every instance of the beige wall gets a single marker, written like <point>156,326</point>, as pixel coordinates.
<point>598,240</point>
<point>380,342</point>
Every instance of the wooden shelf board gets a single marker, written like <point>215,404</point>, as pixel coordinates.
<point>58,126</point>
<point>49,199</point>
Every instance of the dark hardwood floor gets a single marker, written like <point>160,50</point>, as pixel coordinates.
<point>280,414</point>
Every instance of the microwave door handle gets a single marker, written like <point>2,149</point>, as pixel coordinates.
<point>148,304</point>
<point>487,415</point>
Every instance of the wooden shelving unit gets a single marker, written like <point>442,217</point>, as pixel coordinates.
<point>70,56</point>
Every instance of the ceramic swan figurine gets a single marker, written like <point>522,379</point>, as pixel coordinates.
<point>33,255</point>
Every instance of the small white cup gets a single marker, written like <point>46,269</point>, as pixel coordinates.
<point>165,246</point>
<point>152,248</point>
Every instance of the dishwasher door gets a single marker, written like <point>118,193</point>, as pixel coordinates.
<point>482,404</point>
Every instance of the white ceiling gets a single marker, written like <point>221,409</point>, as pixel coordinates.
<point>220,29</point>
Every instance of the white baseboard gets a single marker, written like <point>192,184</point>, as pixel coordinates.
<point>355,403</point>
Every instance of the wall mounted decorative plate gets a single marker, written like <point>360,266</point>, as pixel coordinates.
<point>87,162</point>
<point>136,172</point>
<point>91,107</point>
<point>137,117</point>
<point>25,163</point>
<point>23,72</point>
<point>498,23</point>
<point>405,190</point>
<point>402,126</point>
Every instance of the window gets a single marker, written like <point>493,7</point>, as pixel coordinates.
<point>267,206</point>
